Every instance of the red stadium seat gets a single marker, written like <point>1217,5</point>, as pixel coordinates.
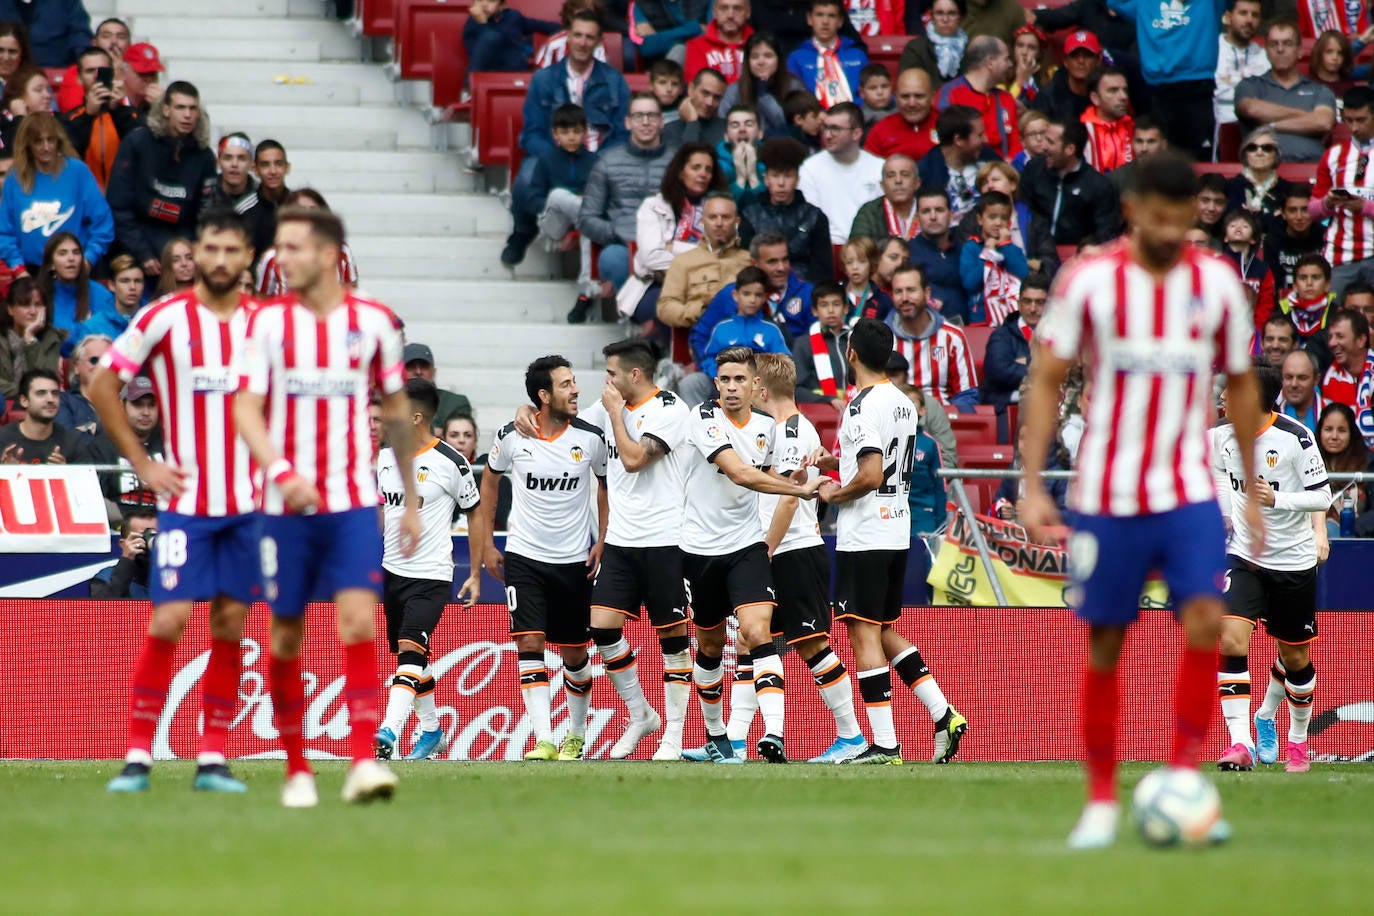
<point>424,29</point>
<point>1066,253</point>
<point>977,338</point>
<point>1300,172</point>
<point>497,116</point>
<point>887,50</point>
<point>974,429</point>
<point>991,456</point>
<point>378,17</point>
<point>1228,143</point>
<point>539,9</point>
<point>449,73</point>
<point>837,258</point>
<point>638,82</point>
<point>1339,134</point>
<point>825,418</point>
<point>1224,169</point>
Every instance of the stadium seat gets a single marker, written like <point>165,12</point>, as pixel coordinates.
<point>425,28</point>
<point>825,418</point>
<point>1300,172</point>
<point>985,456</point>
<point>973,429</point>
<point>887,50</point>
<point>977,338</point>
<point>539,9</point>
<point>1228,143</point>
<point>497,116</point>
<point>1224,169</point>
<point>1066,253</point>
<point>378,17</point>
<point>837,259</point>
<point>448,75</point>
<point>638,82</point>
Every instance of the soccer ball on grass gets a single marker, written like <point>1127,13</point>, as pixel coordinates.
<point>1176,807</point>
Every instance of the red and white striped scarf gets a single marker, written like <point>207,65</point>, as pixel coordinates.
<point>1308,316</point>
<point>832,86</point>
<point>897,227</point>
<point>825,374</point>
<point>1001,292</point>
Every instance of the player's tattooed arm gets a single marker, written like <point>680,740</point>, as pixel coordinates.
<point>653,449</point>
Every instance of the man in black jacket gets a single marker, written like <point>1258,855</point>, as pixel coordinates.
<point>1071,196</point>
<point>128,578</point>
<point>236,190</point>
<point>785,211</point>
<point>163,177</point>
<point>97,126</point>
<point>1007,357</point>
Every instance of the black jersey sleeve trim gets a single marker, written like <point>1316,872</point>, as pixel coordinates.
<point>712,457</point>
<point>870,450</point>
<point>666,447</point>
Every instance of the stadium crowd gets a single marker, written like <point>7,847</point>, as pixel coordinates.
<point>994,150</point>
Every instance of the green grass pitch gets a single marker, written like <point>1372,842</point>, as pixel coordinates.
<point>667,838</point>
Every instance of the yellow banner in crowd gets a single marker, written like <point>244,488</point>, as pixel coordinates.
<point>1032,575</point>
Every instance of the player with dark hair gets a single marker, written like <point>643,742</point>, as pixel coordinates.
<point>552,553</point>
<point>1278,585</point>
<point>312,359</point>
<point>1155,314</point>
<point>415,588</point>
<point>207,548</point>
<point>873,525</point>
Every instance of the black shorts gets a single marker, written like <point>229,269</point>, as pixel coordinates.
<point>649,576</point>
<point>552,599</point>
<point>1285,601</point>
<point>802,580</point>
<point>413,608</point>
<point>868,585</point>
<point>721,585</point>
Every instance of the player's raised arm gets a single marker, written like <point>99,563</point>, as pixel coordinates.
<point>763,482</point>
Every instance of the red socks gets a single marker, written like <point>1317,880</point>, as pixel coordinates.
<point>1100,705</point>
<point>220,693</point>
<point>152,677</point>
<point>360,691</point>
<point>288,710</point>
<point>1193,705</point>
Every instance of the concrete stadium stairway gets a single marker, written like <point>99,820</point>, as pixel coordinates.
<point>426,238</point>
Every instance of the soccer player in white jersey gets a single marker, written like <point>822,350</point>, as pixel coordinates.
<point>873,535</point>
<point>310,363</point>
<point>207,546</point>
<point>416,588</point>
<point>1278,586</point>
<point>552,550</point>
<point>801,578</point>
<point>723,552</point>
<point>1150,316</point>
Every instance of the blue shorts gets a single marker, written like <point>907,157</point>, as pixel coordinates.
<point>1110,558</point>
<point>199,559</point>
<point>314,557</point>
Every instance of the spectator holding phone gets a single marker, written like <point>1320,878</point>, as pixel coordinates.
<point>102,119</point>
<point>128,577</point>
<point>1344,195</point>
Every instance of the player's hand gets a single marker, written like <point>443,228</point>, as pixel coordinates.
<point>1323,544</point>
<point>827,489</point>
<point>527,422</point>
<point>410,530</point>
<point>1263,492</point>
<point>471,590</point>
<point>1040,517</point>
<point>161,477</point>
<point>612,400</point>
<point>494,562</point>
<point>822,459</point>
<point>57,457</point>
<point>594,558</point>
<point>12,455</point>
<point>1254,520</point>
<point>811,487</point>
<point>299,494</point>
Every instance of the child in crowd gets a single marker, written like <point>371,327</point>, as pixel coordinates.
<point>990,264</point>
<point>1211,203</point>
<point>127,283</point>
<point>1299,235</point>
<point>863,298</point>
<point>500,40</point>
<point>666,82</point>
<point>748,327</point>
<point>804,114</point>
<point>556,48</point>
<point>1310,305</point>
<point>892,251</point>
<point>875,88</point>
<point>1034,126</point>
<point>738,155</point>
<point>819,355</point>
<point>828,64</point>
<point>555,189</point>
<point>1240,238</point>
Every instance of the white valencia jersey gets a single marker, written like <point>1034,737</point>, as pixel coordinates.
<point>1149,349</point>
<point>1286,456</point>
<point>553,508</point>
<point>445,485</point>
<point>721,516</point>
<point>190,357</point>
<point>318,375</point>
<point>646,505</point>
<point>879,420</point>
<point>794,439</point>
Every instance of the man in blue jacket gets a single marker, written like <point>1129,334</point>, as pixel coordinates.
<point>829,63</point>
<point>1178,56</point>
<point>936,249</point>
<point>789,296</point>
<point>581,80</point>
<point>59,30</point>
<point>1007,357</point>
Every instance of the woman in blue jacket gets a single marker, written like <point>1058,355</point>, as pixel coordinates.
<point>79,305</point>
<point>50,189</point>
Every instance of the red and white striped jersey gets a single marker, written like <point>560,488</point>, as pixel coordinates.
<point>1149,350</point>
<point>272,284</point>
<point>1356,393</point>
<point>1349,236</point>
<point>941,364</point>
<point>190,357</point>
<point>317,375</point>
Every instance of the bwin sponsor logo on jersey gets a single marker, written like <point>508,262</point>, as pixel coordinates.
<point>565,483</point>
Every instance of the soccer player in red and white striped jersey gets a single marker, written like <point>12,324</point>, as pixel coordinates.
<point>207,545</point>
<point>271,281</point>
<point>939,354</point>
<point>1150,316</point>
<point>1344,192</point>
<point>311,361</point>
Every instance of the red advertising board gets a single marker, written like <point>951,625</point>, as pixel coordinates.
<point>1013,673</point>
